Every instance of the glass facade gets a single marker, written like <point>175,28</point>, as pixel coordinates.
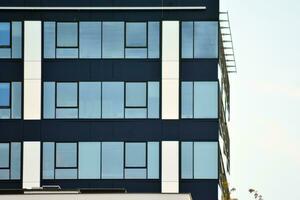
<point>10,100</point>
<point>10,40</point>
<point>101,160</point>
<point>10,161</point>
<point>106,100</point>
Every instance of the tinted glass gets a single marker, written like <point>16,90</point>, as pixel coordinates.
<point>5,53</point>
<point>153,160</point>
<point>65,173</point>
<point>135,154</point>
<point>206,160</point>
<point>153,39</point>
<point>206,40</point>
<point>66,113</point>
<point>49,100</point>
<point>187,160</point>
<point>136,52</point>
<point>187,100</point>
<point>90,39</point>
<point>66,94</point>
<point>135,173</point>
<point>205,99</point>
<point>67,34</point>
<point>66,154</point>
<point>153,100</point>
<point>187,39</point>
<point>136,35</point>
<point>136,113</point>
<point>67,53</point>
<point>4,113</point>
<point>113,100</point>
<point>90,100</point>
<point>4,34</point>
<point>4,155</point>
<point>112,160</point>
<point>89,160</point>
<point>136,94</point>
<point>16,98</point>
<point>16,39</point>
<point>113,39</point>
<point>15,168</point>
<point>49,40</point>
<point>4,94</point>
<point>4,174</point>
<point>48,160</point>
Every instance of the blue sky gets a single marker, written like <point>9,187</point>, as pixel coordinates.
<point>265,98</point>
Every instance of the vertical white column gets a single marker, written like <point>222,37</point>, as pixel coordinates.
<point>31,164</point>
<point>32,69</point>
<point>170,70</point>
<point>170,167</point>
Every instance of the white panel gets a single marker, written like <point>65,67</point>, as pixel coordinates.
<point>31,164</point>
<point>32,69</point>
<point>32,99</point>
<point>170,167</point>
<point>170,70</point>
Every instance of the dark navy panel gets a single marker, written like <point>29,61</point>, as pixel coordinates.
<point>200,189</point>
<point>11,184</point>
<point>11,130</point>
<point>132,186</point>
<point>199,70</point>
<point>11,70</point>
<point>101,70</point>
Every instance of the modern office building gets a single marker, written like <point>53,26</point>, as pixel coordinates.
<point>112,94</point>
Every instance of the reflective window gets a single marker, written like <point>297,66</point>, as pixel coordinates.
<point>10,100</point>
<point>10,161</point>
<point>199,100</point>
<point>101,160</point>
<point>106,100</point>
<point>10,40</point>
<point>4,34</point>
<point>67,34</point>
<point>113,39</point>
<point>199,160</point>
<point>90,39</point>
<point>199,39</point>
<point>136,34</point>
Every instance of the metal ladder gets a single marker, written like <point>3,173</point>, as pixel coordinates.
<point>227,42</point>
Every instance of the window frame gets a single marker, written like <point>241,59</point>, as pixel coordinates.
<point>10,36</point>
<point>56,34</point>
<point>146,38</point>
<point>9,168</point>
<point>9,96</point>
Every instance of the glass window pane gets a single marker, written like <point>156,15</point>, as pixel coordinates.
<point>48,160</point>
<point>90,39</point>
<point>66,113</point>
<point>136,94</point>
<point>135,174</point>
<point>135,154</point>
<point>205,160</point>
<point>49,100</point>
<point>187,100</point>
<point>5,53</point>
<point>206,40</point>
<point>15,168</point>
<point>90,100</point>
<point>112,160</point>
<point>187,40</point>
<point>153,39</point>
<point>205,99</point>
<point>112,100</point>
<point>49,39</point>
<point>89,160</point>
<point>66,155</point>
<point>66,94</point>
<point>67,53</point>
<point>4,113</point>
<point>153,160</point>
<point>4,155</point>
<point>136,113</point>
<point>4,94</point>
<point>67,34</point>
<point>16,100</point>
<point>187,160</point>
<point>16,39</point>
<point>65,173</point>
<point>4,34</point>
<point>136,53</point>
<point>136,35</point>
<point>113,39</point>
<point>4,174</point>
<point>153,100</point>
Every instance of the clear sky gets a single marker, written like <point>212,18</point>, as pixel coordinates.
<point>265,98</point>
